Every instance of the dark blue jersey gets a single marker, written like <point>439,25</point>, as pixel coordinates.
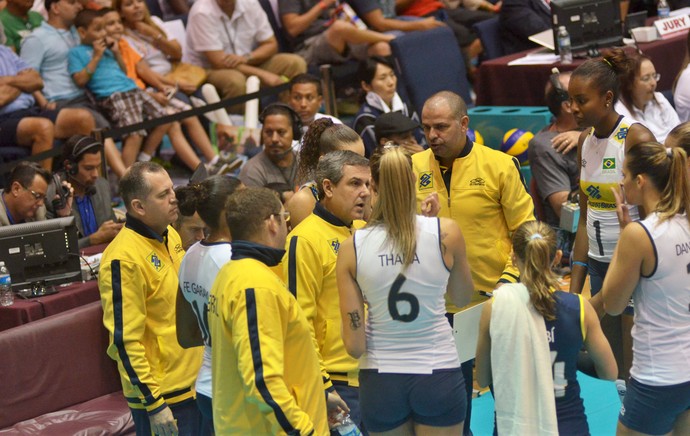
<point>566,335</point>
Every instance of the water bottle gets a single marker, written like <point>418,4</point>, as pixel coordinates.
<point>564,47</point>
<point>346,427</point>
<point>6,295</point>
<point>662,9</point>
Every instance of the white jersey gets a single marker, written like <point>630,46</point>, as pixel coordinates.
<point>602,166</point>
<point>198,271</point>
<point>661,332</point>
<point>406,328</point>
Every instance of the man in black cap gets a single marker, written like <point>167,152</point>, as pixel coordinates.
<point>394,128</point>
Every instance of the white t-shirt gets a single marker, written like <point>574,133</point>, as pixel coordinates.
<point>144,47</point>
<point>406,328</point>
<point>681,96</point>
<point>210,29</point>
<point>661,329</point>
<point>198,271</point>
<point>658,116</point>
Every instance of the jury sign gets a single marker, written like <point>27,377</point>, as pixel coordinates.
<point>670,25</point>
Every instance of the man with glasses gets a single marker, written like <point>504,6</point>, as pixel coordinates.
<point>306,98</point>
<point>309,265</point>
<point>24,200</point>
<point>265,369</point>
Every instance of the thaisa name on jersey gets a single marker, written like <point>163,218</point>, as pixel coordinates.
<point>683,248</point>
<point>394,259</point>
<point>551,335</point>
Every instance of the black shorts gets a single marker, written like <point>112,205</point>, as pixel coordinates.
<point>10,122</point>
<point>387,401</point>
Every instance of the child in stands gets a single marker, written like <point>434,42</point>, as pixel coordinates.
<point>97,65</point>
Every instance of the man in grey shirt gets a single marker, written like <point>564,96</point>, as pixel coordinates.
<point>277,163</point>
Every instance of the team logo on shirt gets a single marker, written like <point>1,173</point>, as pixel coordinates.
<point>477,182</point>
<point>335,245</point>
<point>426,180</point>
<point>155,261</point>
<point>622,133</point>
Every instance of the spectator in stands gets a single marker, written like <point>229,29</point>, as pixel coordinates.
<point>233,40</point>
<point>24,199</point>
<point>372,14</point>
<point>141,71</point>
<point>639,99</point>
<point>306,98</point>
<point>18,21</point>
<point>520,19</point>
<point>324,136</point>
<point>556,174</point>
<point>397,129</point>
<point>95,219</point>
<point>46,51</point>
<point>138,284</point>
<point>21,121</point>
<point>681,87</point>
<point>459,19</point>
<point>320,39</point>
<point>379,83</point>
<point>100,69</point>
<point>277,162</point>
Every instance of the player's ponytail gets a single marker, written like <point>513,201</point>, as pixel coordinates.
<point>395,204</point>
<point>534,244</point>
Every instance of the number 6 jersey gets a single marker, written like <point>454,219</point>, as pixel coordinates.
<point>406,328</point>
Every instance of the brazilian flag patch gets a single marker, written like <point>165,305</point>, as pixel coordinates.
<point>426,180</point>
<point>609,163</point>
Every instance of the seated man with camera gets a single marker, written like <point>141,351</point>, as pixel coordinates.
<point>24,198</point>
<point>94,216</point>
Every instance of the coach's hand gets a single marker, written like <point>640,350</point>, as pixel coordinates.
<point>163,423</point>
<point>335,406</point>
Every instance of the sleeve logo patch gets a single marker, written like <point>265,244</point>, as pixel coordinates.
<point>155,261</point>
<point>426,180</point>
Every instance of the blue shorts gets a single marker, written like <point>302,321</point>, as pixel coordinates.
<point>388,401</point>
<point>654,409</point>
<point>597,273</point>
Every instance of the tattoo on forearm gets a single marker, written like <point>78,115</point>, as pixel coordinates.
<point>443,244</point>
<point>355,320</point>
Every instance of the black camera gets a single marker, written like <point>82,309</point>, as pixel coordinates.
<point>62,192</point>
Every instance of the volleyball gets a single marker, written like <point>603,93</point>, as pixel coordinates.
<point>475,136</point>
<point>515,143</point>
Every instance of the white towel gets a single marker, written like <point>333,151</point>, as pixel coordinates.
<point>521,365</point>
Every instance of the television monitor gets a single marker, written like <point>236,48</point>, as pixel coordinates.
<point>592,24</point>
<point>41,250</point>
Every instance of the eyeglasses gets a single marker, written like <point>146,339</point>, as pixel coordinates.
<point>36,195</point>
<point>285,215</point>
<point>648,77</point>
